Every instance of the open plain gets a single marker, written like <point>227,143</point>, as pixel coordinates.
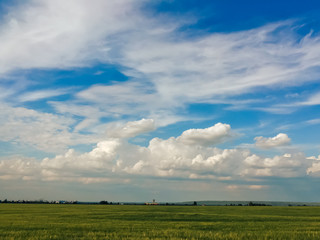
<point>49,221</point>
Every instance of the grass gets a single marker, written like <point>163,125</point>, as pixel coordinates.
<point>31,221</point>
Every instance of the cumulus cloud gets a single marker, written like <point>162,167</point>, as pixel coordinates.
<point>132,129</point>
<point>19,168</point>
<point>286,165</point>
<point>314,170</point>
<point>100,158</point>
<point>115,159</point>
<point>281,139</point>
<point>209,136</point>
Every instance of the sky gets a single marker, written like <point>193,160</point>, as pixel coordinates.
<point>173,100</point>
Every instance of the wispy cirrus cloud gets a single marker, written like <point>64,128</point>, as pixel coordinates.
<point>34,33</point>
<point>210,66</point>
<point>293,103</point>
<point>313,121</point>
<point>166,70</point>
<point>312,100</point>
<point>212,69</point>
<point>42,94</point>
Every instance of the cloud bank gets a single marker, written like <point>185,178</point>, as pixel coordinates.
<point>193,155</point>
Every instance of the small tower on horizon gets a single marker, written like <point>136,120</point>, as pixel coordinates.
<point>152,203</point>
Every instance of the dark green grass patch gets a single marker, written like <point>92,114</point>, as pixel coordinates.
<point>30,221</point>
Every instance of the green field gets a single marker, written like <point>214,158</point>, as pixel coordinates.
<point>43,221</point>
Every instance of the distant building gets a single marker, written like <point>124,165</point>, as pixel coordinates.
<point>152,203</point>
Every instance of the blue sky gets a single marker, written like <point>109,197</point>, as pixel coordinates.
<point>132,100</point>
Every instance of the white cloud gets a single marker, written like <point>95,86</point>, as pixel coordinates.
<point>313,121</point>
<point>219,64</point>
<point>209,136</point>
<point>166,71</point>
<point>19,168</point>
<point>44,131</point>
<point>132,129</point>
<point>286,165</point>
<point>90,114</point>
<point>266,143</point>
<point>312,100</point>
<point>35,34</point>
<point>114,159</point>
<point>38,95</point>
<point>167,75</point>
<point>314,170</point>
<point>98,159</point>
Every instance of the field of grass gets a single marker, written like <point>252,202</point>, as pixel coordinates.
<point>31,221</point>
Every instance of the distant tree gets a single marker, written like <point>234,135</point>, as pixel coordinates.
<point>195,203</point>
<point>104,202</point>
